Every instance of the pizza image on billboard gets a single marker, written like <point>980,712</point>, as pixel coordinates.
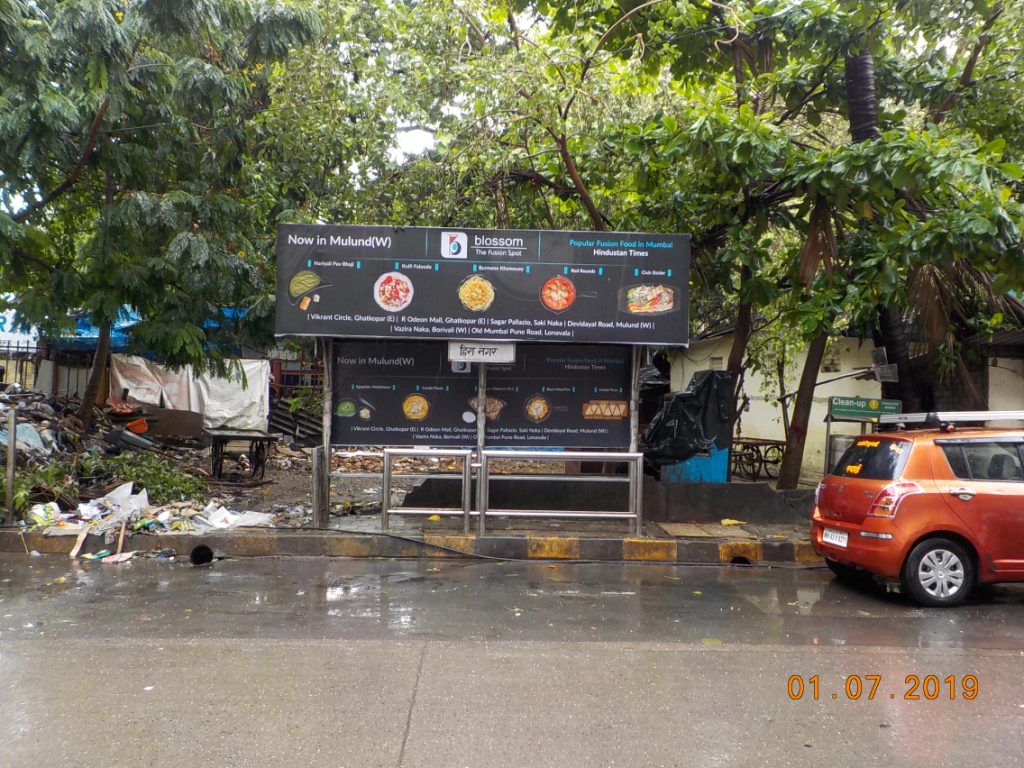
<point>558,293</point>
<point>393,291</point>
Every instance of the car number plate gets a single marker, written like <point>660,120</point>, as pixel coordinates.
<point>832,536</point>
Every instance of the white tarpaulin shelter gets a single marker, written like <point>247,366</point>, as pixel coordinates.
<point>222,402</point>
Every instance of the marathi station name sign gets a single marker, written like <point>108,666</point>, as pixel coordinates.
<point>515,285</point>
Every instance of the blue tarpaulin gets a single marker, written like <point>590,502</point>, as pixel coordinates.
<point>86,336</point>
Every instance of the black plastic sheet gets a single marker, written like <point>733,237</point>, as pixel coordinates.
<point>692,422</point>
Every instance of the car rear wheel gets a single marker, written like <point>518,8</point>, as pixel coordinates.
<point>938,572</point>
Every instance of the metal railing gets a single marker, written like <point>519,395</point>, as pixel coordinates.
<point>18,364</point>
<point>390,454</point>
<point>635,497</point>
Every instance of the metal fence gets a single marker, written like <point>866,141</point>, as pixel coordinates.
<point>19,363</point>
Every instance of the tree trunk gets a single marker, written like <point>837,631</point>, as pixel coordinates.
<point>861,101</point>
<point>862,105</point>
<point>740,340</point>
<point>895,341</point>
<point>92,388</point>
<point>789,472</point>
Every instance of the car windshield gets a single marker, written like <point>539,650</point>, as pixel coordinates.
<point>873,458</point>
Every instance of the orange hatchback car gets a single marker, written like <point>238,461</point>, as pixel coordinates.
<point>940,509</point>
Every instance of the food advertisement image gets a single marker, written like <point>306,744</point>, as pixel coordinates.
<point>476,293</point>
<point>393,291</point>
<point>558,294</point>
<point>408,393</point>
<point>534,286</point>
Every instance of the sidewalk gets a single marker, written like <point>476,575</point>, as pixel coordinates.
<point>514,539</point>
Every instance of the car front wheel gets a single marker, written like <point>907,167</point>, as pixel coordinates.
<point>938,572</point>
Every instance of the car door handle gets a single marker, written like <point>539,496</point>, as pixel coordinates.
<point>964,494</point>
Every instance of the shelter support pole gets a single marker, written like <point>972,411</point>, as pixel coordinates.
<point>828,444</point>
<point>322,454</point>
<point>481,427</point>
<point>12,461</point>
<point>634,399</point>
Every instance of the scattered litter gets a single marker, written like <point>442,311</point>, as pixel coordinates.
<point>710,641</point>
<point>117,559</point>
<point>96,555</point>
<point>35,553</point>
<point>727,521</point>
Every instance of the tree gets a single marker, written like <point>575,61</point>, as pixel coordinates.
<point>123,129</point>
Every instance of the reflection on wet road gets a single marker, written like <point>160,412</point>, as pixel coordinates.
<point>486,601</point>
<point>410,664</point>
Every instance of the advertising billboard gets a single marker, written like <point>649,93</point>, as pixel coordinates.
<point>524,285</point>
<point>410,393</point>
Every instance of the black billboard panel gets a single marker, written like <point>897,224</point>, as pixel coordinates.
<point>526,285</point>
<point>399,393</point>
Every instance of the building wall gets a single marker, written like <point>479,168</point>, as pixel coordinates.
<point>763,416</point>
<point>1006,386</point>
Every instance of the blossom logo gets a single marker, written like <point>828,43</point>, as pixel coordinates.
<point>454,245</point>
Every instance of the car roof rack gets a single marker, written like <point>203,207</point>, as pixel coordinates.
<point>941,418</point>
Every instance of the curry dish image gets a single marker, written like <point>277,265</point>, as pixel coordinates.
<point>537,408</point>
<point>415,407</point>
<point>476,293</point>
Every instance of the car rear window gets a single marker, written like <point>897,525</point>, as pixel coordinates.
<point>874,458</point>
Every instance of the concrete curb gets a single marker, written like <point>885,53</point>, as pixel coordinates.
<point>565,548</point>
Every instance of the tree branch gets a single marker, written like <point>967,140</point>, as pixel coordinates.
<point>72,177</point>
<point>581,188</point>
<point>972,61</point>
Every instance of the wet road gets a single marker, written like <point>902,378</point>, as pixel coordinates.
<point>407,663</point>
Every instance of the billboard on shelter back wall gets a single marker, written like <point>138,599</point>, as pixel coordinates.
<point>409,393</point>
<point>526,285</point>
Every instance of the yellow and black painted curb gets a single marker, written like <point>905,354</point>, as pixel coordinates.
<point>566,548</point>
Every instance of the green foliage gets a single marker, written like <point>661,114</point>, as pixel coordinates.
<point>308,399</point>
<point>124,128</point>
<point>163,479</point>
<point>54,478</point>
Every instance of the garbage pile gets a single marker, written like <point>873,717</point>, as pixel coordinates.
<point>66,482</point>
<point>43,429</point>
<point>122,507</point>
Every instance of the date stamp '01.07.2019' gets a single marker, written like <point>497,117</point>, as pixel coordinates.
<point>870,687</point>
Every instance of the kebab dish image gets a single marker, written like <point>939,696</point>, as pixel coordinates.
<point>650,299</point>
<point>492,406</point>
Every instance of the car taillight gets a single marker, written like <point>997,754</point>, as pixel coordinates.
<point>886,502</point>
<point>817,493</point>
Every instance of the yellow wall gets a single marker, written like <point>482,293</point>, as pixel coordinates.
<point>1006,386</point>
